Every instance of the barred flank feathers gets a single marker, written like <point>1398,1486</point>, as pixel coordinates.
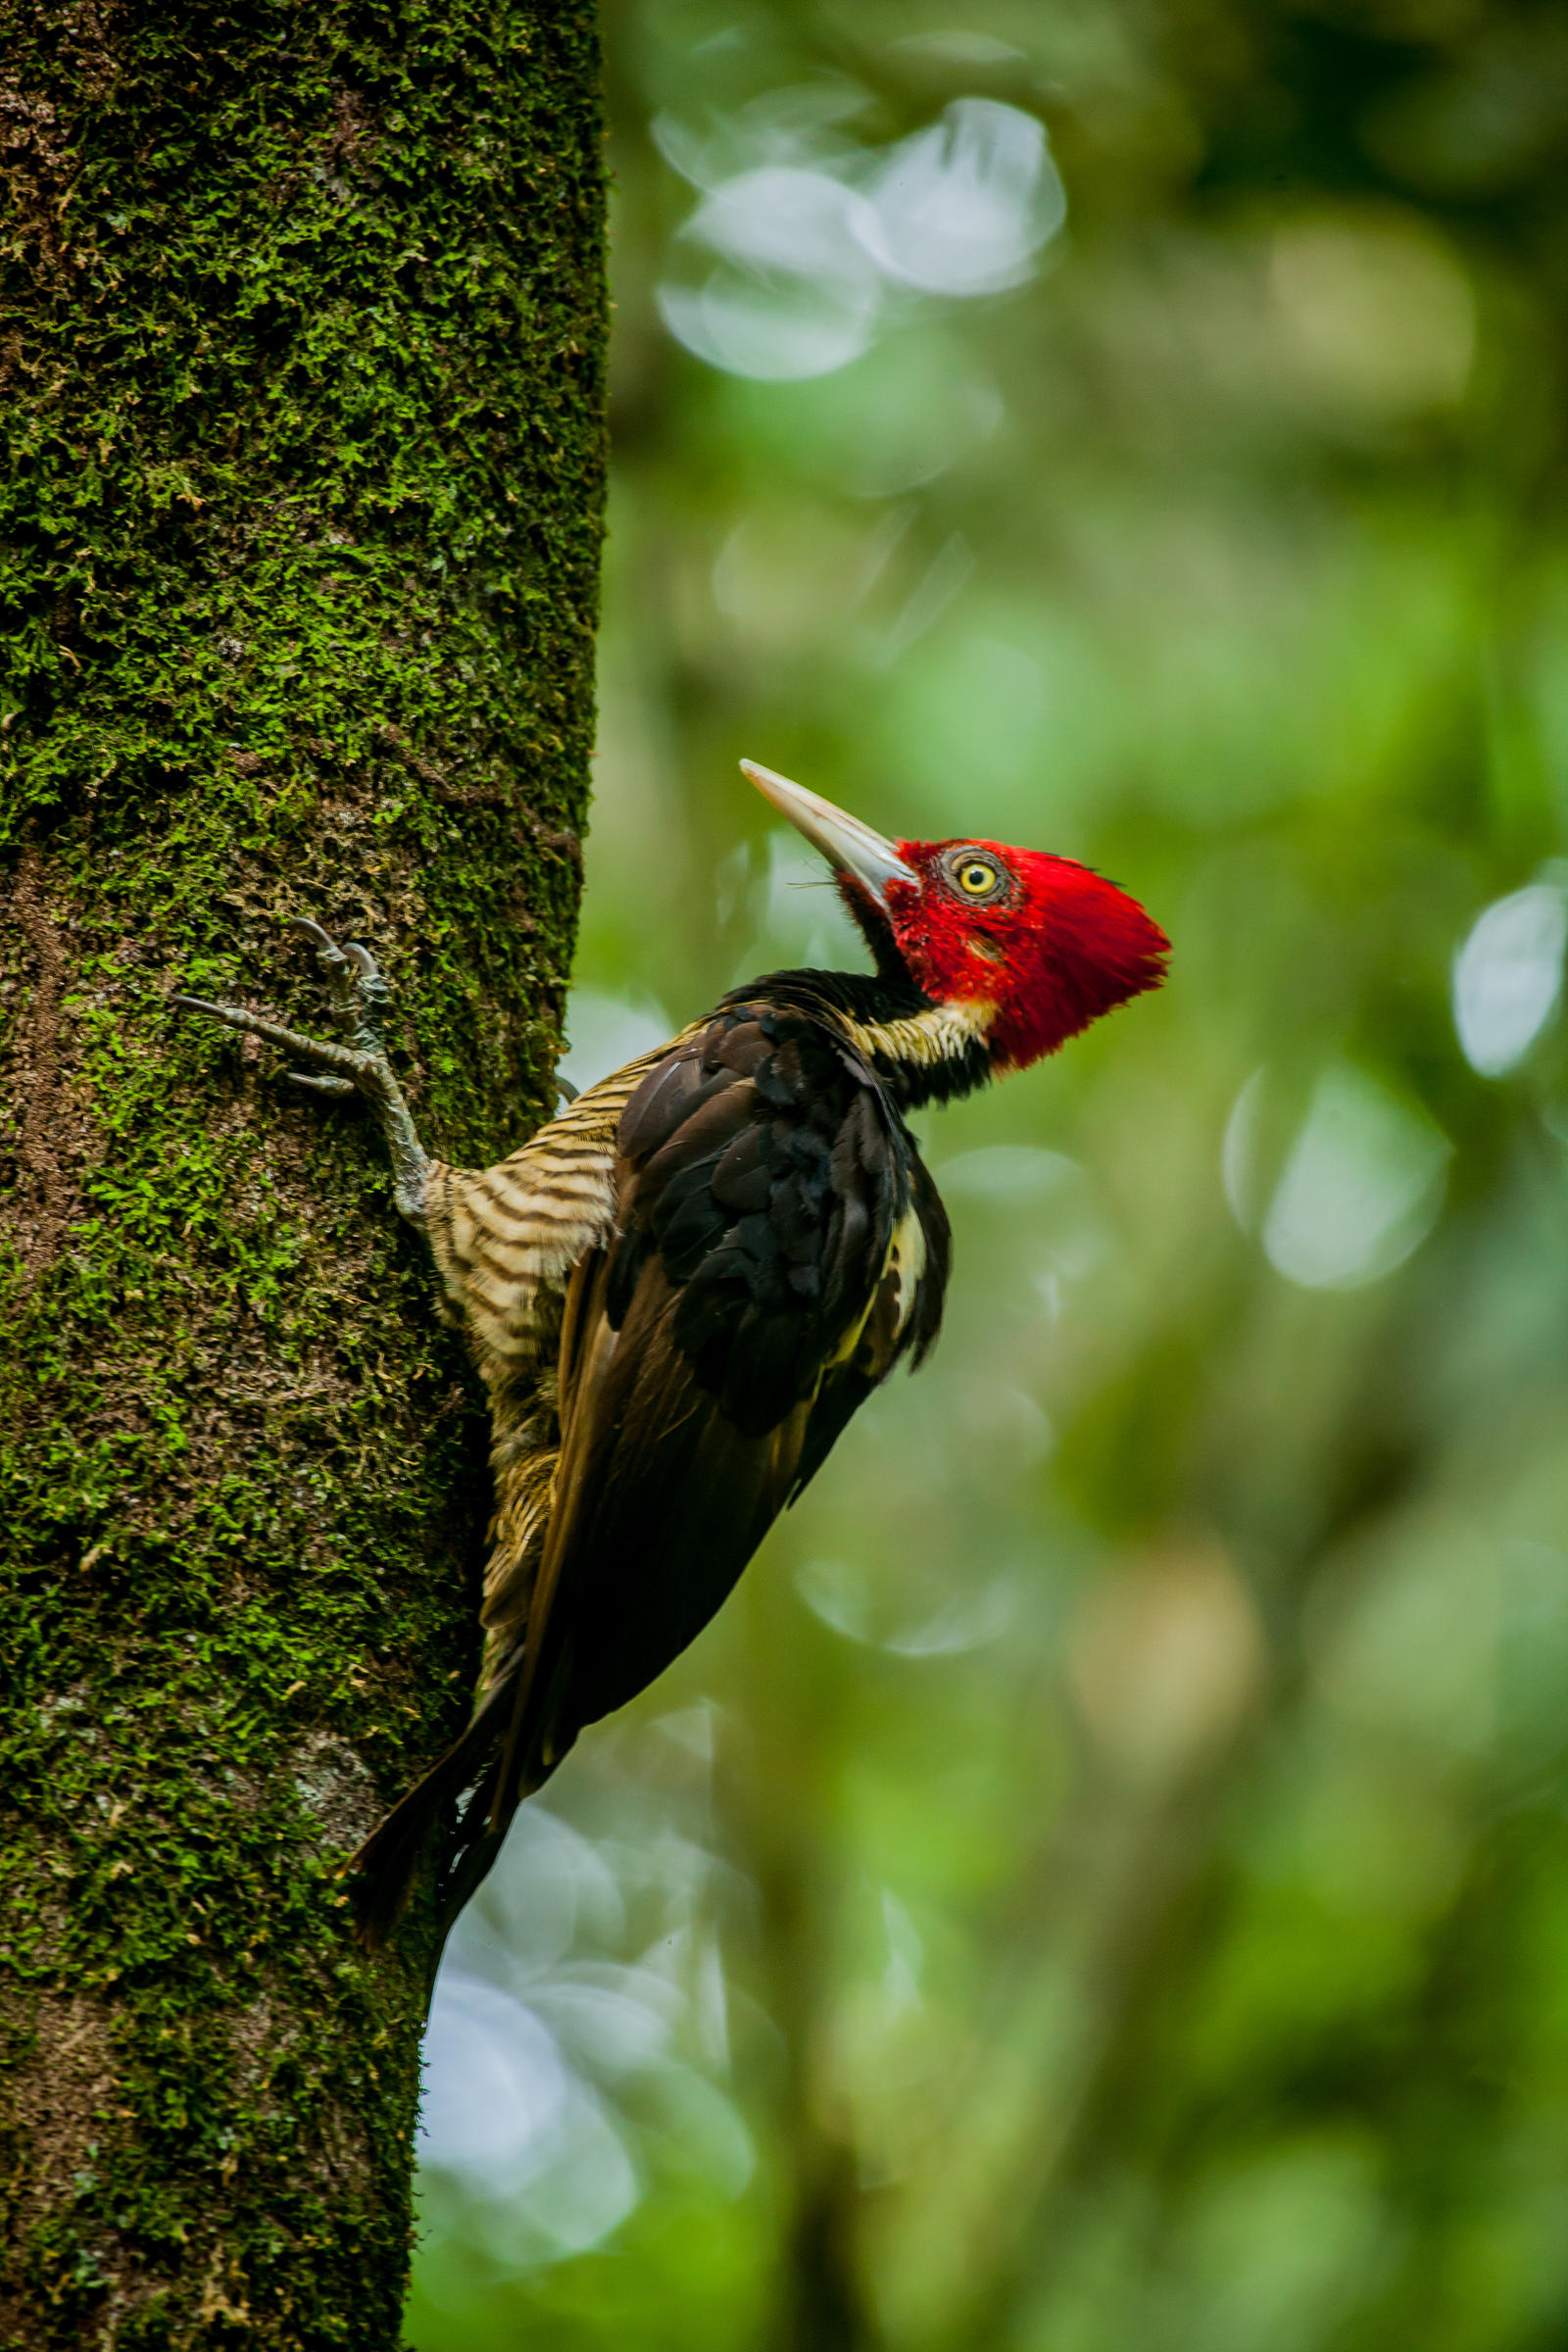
<point>678,1295</point>
<point>505,1241</point>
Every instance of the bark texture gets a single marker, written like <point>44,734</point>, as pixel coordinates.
<point>301,366</point>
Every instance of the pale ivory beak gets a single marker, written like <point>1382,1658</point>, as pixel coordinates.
<point>842,840</point>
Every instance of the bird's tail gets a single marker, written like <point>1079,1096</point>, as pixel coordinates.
<point>384,1869</point>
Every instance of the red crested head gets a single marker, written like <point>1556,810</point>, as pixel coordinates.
<point>1050,945</point>
<point>1025,947</point>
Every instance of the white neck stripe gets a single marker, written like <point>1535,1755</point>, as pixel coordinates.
<point>942,1033</point>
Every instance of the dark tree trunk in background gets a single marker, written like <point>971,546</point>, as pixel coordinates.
<point>301,364</point>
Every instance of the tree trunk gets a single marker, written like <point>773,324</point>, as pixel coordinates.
<point>300,373</point>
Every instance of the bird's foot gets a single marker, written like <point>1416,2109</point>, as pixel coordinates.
<point>361,998</point>
<point>361,994</point>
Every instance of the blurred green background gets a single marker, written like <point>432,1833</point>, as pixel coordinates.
<point>1103,1884</point>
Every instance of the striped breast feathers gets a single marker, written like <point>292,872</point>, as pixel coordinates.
<point>506,1238</point>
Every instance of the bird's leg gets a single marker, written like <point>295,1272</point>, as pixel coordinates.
<point>361,998</point>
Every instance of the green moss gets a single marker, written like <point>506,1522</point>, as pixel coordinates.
<point>302,364</point>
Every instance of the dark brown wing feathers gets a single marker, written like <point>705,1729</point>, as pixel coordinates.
<point>772,1217</point>
<point>761,1178</point>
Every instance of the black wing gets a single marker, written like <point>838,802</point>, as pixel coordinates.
<point>780,1246</point>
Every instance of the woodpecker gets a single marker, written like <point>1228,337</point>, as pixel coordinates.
<point>680,1290</point>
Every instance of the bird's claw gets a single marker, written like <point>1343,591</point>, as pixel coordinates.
<point>360,997</point>
<point>322,941</point>
<point>359,989</point>
<point>339,1058</point>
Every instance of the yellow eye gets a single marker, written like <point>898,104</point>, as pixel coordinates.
<point>976,876</point>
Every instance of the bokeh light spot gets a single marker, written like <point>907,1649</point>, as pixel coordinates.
<point>1507,977</point>
<point>1361,1189</point>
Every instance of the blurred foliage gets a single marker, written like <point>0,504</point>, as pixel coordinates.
<point>1103,1884</point>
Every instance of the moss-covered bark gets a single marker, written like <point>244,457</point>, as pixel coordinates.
<point>301,398</point>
